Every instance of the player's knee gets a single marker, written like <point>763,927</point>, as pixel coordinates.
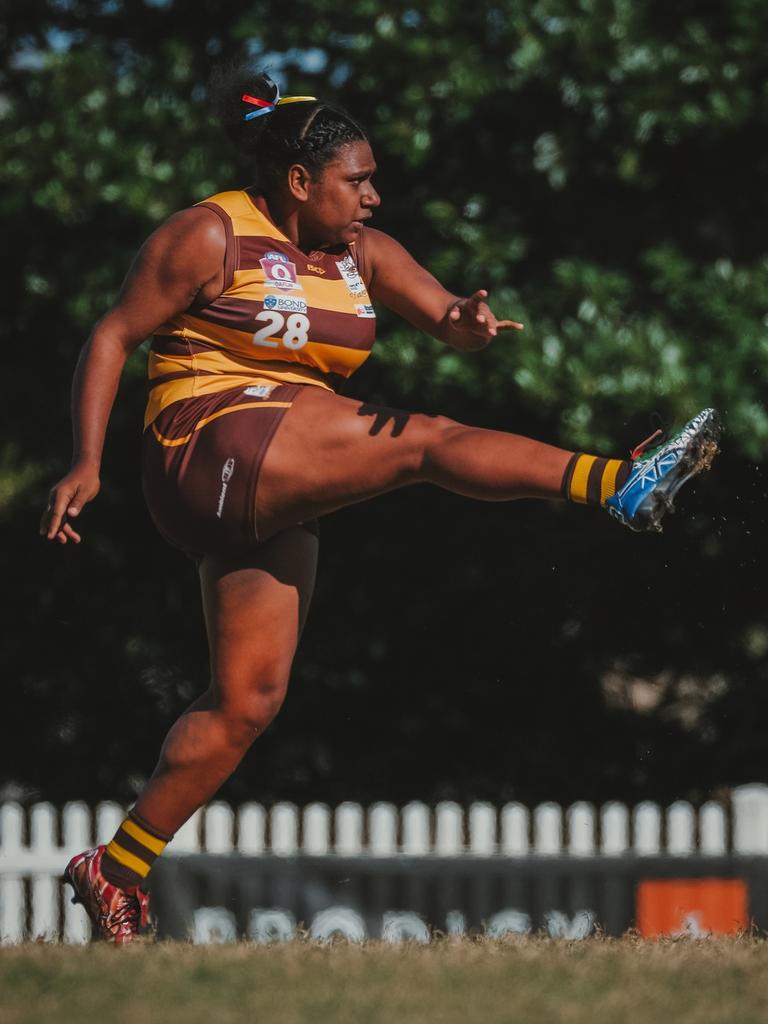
<point>255,712</point>
<point>426,434</point>
<point>436,430</point>
<point>249,714</point>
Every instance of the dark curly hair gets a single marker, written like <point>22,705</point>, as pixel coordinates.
<point>308,133</point>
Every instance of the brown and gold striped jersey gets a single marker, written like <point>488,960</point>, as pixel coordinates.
<point>283,315</point>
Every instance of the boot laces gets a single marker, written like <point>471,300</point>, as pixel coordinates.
<point>127,912</point>
<point>658,437</point>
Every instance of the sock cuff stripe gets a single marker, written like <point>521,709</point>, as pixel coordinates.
<point>128,860</point>
<point>565,486</point>
<point>608,483</point>
<point>595,480</point>
<point>580,478</point>
<point>128,843</point>
<point>148,828</point>
<point>142,836</point>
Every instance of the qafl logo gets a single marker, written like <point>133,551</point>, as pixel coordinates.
<point>279,272</point>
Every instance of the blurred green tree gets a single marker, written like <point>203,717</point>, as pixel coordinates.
<point>600,167</point>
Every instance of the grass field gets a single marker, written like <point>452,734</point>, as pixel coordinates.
<point>593,982</point>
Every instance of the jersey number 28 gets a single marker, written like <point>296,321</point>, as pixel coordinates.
<point>293,331</point>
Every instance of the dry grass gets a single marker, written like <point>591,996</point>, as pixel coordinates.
<point>599,981</point>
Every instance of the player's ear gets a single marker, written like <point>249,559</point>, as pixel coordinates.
<point>299,180</point>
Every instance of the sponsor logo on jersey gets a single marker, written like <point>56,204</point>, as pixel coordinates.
<point>280,272</point>
<point>349,271</point>
<point>313,267</point>
<point>285,304</point>
<point>364,309</point>
<point>260,390</point>
<point>226,475</point>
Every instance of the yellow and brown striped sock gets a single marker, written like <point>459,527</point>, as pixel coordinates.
<point>590,480</point>
<point>129,857</point>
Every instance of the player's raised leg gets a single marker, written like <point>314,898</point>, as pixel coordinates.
<point>332,451</point>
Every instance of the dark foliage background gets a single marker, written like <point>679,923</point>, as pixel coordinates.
<point>602,168</point>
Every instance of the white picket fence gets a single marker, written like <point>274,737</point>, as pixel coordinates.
<point>35,844</point>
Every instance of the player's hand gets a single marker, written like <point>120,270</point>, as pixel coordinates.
<point>474,316</point>
<point>67,500</point>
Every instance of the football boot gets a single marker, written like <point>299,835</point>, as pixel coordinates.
<point>658,473</point>
<point>117,915</point>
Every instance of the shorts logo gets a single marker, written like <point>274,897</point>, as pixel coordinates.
<point>348,270</point>
<point>280,272</point>
<point>285,304</point>
<point>226,475</point>
<point>363,309</point>
<point>260,390</point>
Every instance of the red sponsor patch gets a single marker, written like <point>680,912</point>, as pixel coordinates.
<point>692,906</point>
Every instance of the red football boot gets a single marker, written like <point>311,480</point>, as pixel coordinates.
<point>117,915</point>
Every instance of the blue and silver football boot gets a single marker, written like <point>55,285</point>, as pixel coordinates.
<point>658,473</point>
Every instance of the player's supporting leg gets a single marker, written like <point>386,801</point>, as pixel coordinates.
<point>255,610</point>
<point>255,607</point>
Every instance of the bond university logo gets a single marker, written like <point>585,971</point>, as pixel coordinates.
<point>285,303</point>
<point>364,309</point>
<point>348,270</point>
<point>279,272</point>
<point>226,475</point>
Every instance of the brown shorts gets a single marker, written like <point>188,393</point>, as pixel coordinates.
<point>201,463</point>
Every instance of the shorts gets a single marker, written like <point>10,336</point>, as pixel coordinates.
<point>201,462</point>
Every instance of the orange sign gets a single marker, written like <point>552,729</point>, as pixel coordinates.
<point>688,906</point>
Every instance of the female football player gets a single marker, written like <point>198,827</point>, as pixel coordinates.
<point>258,299</point>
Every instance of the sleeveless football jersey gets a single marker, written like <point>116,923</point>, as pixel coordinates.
<point>283,315</point>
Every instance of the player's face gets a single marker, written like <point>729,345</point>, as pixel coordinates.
<point>342,196</point>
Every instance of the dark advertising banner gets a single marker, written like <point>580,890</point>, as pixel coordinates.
<point>209,898</point>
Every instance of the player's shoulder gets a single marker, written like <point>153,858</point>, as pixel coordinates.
<point>194,225</point>
<point>192,240</point>
<point>381,247</point>
<point>374,237</point>
<point>385,256</point>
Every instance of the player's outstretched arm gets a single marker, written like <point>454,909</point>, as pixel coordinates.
<point>181,259</point>
<point>405,287</point>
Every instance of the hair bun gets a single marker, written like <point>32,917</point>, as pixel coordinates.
<point>229,83</point>
<point>300,130</point>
